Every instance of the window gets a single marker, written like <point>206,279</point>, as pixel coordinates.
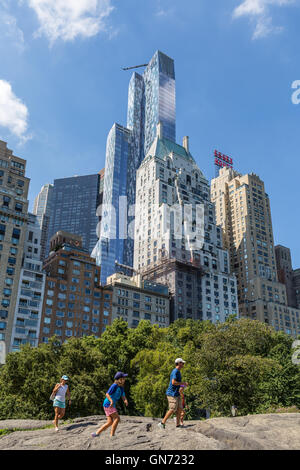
<point>18,207</point>
<point>6,201</point>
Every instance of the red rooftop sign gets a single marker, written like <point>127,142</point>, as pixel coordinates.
<point>222,160</point>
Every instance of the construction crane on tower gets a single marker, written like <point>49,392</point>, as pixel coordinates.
<point>135,67</point>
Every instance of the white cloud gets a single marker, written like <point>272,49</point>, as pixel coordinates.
<point>68,19</point>
<point>13,113</point>
<point>9,30</point>
<point>259,12</point>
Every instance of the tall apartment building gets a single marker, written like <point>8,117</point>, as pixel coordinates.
<point>243,212</point>
<point>42,209</point>
<point>135,299</point>
<point>151,99</point>
<point>26,325</point>
<point>177,242</point>
<point>296,284</point>
<point>285,273</point>
<point>13,227</point>
<point>74,203</point>
<point>74,303</point>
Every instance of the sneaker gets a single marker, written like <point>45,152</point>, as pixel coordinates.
<point>56,429</point>
<point>95,434</point>
<point>161,425</point>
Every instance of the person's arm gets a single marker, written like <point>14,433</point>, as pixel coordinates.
<point>110,399</point>
<point>57,386</point>
<point>176,383</point>
<point>125,400</point>
<point>69,395</point>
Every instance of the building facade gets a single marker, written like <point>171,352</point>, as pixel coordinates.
<point>244,214</point>
<point>42,209</point>
<point>113,243</point>
<point>13,228</point>
<point>151,99</point>
<point>177,242</point>
<point>74,203</point>
<point>74,303</point>
<point>296,284</point>
<point>26,325</point>
<point>135,299</point>
<point>100,200</point>
<point>285,273</point>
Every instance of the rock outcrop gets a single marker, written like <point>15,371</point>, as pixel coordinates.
<point>255,432</point>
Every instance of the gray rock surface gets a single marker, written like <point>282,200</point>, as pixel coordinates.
<point>12,424</point>
<point>256,432</point>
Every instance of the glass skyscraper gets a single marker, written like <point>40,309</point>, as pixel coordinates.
<point>112,244</point>
<point>160,102</point>
<point>151,99</point>
<point>42,209</point>
<point>74,203</point>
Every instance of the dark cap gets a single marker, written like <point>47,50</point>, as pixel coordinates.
<point>120,375</point>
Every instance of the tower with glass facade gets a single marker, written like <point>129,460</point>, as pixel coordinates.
<point>151,99</point>
<point>42,209</point>
<point>74,203</point>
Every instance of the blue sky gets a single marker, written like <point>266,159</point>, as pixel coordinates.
<point>62,87</point>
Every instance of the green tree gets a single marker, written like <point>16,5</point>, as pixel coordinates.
<point>154,366</point>
<point>28,377</point>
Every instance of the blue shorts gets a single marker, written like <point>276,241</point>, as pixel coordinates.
<point>58,403</point>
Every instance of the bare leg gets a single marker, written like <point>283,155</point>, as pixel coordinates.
<point>56,417</point>
<point>105,426</point>
<point>116,419</point>
<point>178,415</point>
<point>61,413</point>
<point>182,416</point>
<point>169,413</point>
